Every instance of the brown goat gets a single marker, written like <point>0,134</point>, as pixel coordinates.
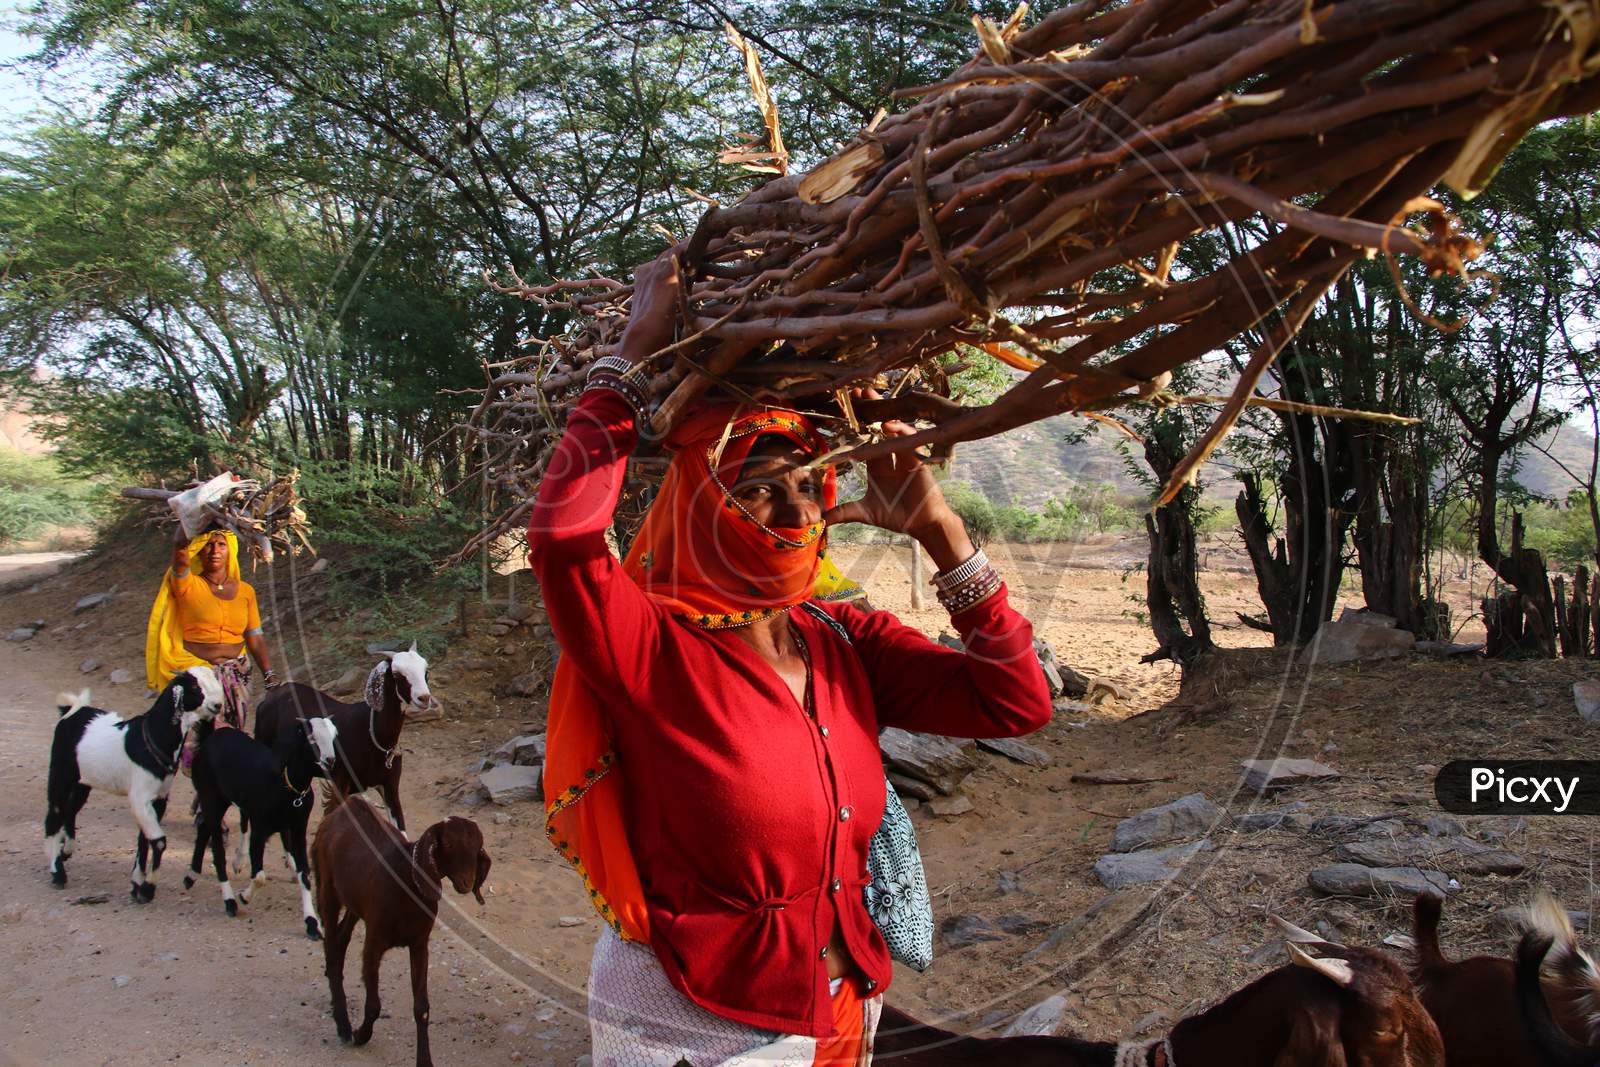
<point>1359,1010</point>
<point>368,872</point>
<point>1474,1001</point>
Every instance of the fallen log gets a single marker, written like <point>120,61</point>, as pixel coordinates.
<point>1038,200</point>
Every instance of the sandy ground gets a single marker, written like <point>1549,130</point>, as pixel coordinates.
<point>507,979</point>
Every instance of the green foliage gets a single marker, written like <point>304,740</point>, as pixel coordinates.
<point>37,497</point>
<point>1084,510</point>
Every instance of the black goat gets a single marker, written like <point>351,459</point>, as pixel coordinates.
<point>135,758</point>
<point>272,788</point>
<point>369,731</point>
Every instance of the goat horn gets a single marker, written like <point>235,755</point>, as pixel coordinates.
<point>1338,972</point>
<point>1298,935</point>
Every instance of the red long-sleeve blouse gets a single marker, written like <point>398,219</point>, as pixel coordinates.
<point>748,820</point>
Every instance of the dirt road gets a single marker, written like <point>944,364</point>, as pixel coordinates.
<point>116,982</point>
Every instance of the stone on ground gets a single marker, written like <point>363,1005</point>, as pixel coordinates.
<point>1356,880</point>
<point>511,784</point>
<point>1447,648</point>
<point>956,805</point>
<point>1288,817</point>
<point>1016,751</point>
<point>1268,775</point>
<point>1184,818</point>
<point>959,931</point>
<point>1363,617</point>
<point>1514,920</point>
<point>1046,656</point>
<point>121,676</point>
<point>90,602</point>
<point>1460,854</point>
<point>911,788</point>
<point>1122,869</point>
<point>349,681</point>
<point>524,751</point>
<point>1586,695</point>
<point>89,666</point>
<point>939,761</point>
<point>1347,642</point>
<point>1041,1020</point>
<point>525,684</point>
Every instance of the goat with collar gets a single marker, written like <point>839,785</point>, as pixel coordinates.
<point>135,758</point>
<point>369,730</point>
<point>367,872</point>
<point>272,788</point>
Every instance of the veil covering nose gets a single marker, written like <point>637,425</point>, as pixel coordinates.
<point>701,556</point>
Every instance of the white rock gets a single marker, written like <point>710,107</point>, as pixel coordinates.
<point>1187,817</point>
<point>570,920</point>
<point>1267,775</point>
<point>956,805</point>
<point>510,784</point>
<point>1367,618</point>
<point>89,666</point>
<point>1122,869</point>
<point>1586,695</point>
<point>1041,1020</point>
<point>121,676</point>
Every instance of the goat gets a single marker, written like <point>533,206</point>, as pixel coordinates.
<point>369,731</point>
<point>367,872</point>
<point>135,758</point>
<point>1358,1009</point>
<point>1474,1001</point>
<point>1553,1044</point>
<point>272,788</point>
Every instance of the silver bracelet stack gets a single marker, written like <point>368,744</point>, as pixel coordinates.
<point>968,583</point>
<point>623,377</point>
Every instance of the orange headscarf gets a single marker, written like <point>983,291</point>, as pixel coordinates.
<point>701,556</point>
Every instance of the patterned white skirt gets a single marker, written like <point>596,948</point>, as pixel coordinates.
<point>637,1018</point>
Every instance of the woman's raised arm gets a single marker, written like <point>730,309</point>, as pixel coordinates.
<point>601,618</point>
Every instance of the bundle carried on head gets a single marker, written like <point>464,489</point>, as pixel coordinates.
<point>265,516</point>
<point>1034,203</point>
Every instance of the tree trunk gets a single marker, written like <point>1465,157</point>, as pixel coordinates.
<point>1172,582</point>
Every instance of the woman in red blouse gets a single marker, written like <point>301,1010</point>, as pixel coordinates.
<point>713,765</point>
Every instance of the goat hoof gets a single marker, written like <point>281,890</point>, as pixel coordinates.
<point>231,907</point>
<point>145,893</point>
<point>312,931</point>
<point>58,879</point>
<point>362,1036</point>
<point>188,881</point>
<point>345,1036</point>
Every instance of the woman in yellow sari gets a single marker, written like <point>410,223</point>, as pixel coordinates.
<point>205,613</point>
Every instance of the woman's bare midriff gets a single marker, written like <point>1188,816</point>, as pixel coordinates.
<point>839,961</point>
<point>213,653</point>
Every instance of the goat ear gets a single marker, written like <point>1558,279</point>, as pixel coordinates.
<point>387,655</point>
<point>482,876</point>
<point>1339,972</point>
<point>413,644</point>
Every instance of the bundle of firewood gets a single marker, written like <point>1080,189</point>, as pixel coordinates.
<point>265,516</point>
<point>1034,204</point>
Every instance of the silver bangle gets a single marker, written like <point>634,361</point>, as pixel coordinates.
<point>978,589</point>
<point>945,581</point>
<point>617,365</point>
<point>622,387</point>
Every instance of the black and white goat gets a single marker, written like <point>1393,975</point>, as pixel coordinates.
<point>135,758</point>
<point>369,731</point>
<point>272,788</point>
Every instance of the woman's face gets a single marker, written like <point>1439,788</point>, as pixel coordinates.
<point>774,489</point>
<point>214,556</point>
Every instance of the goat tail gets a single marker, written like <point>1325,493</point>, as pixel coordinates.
<point>67,703</point>
<point>1555,1046</point>
<point>1425,931</point>
<point>1568,965</point>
